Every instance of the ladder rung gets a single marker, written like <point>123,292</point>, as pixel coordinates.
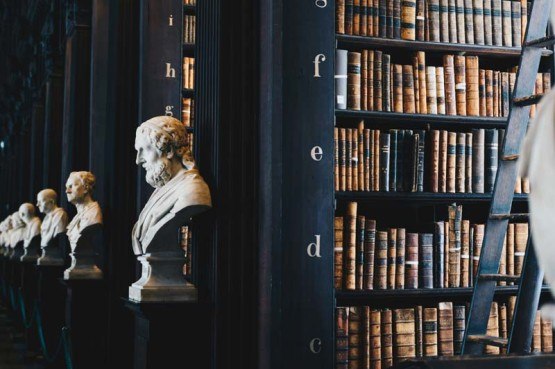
<point>540,42</point>
<point>489,340</point>
<point>516,216</point>
<point>527,100</point>
<point>510,157</point>
<point>499,277</point>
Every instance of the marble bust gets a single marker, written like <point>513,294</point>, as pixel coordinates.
<point>54,224</point>
<point>32,223</point>
<point>180,193</point>
<point>88,221</point>
<point>17,236</point>
<point>5,227</point>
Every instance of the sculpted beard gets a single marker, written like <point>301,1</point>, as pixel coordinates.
<point>158,174</point>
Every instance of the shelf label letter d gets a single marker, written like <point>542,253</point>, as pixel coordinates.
<point>313,249</point>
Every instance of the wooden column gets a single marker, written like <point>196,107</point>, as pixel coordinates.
<point>52,135</point>
<point>37,144</point>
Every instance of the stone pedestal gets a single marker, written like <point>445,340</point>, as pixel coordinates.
<point>86,255</point>
<point>31,252</point>
<point>29,294</point>
<point>167,335</point>
<point>17,251</point>
<point>86,315</point>
<point>51,254</point>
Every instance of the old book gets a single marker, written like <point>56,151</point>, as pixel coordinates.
<point>343,159</point>
<point>431,96</point>
<point>491,158</point>
<point>444,20</point>
<point>408,20</point>
<point>397,88</point>
<point>523,18</point>
<point>387,338</point>
<point>434,171</point>
<point>364,80</point>
<point>376,18</point>
<point>341,338</point>
<point>401,146</point>
<point>356,17</point>
<point>386,82</point>
<point>429,328</point>
<point>359,271</point>
<point>377,158</point>
<point>349,250</point>
<point>349,16</point>
<point>489,93</point>
<point>361,157</point>
<point>355,328</point>
<point>511,304</point>
<point>404,334</point>
<point>420,20</point>
<point>449,83</point>
<point>521,240</point>
<point>349,156</point>
<point>380,276</point>
<point>391,257</point>
<point>426,262</point>
<point>338,252</point>
<point>375,339</point>
<point>369,252</point>
<point>366,341</point>
<point>354,160</point>
<point>468,153</point>
<point>389,17</point>
<point>465,254</point>
<point>353,81</point>
<point>451,161</point>
<point>446,233</point>
<point>382,18</point>
<point>493,329</point>
<point>440,90</point>
<point>408,90</point>
<point>443,150</point>
<point>510,262</point>
<point>469,21</point>
<point>505,102</point>
<point>434,20</point>
<point>336,180</point>
<point>460,163</point>
<point>459,10</point>
<point>495,83</point>
<point>472,86</point>
<point>460,84</point>
<point>516,23</point>
<point>340,16</point>
<point>420,165</point>
<point>378,56</point>
<point>452,21</point>
<point>363,17</point>
<point>497,23</point>
<point>478,10</point>
<point>478,160</point>
<point>370,81</point>
<point>384,161</point>
<point>488,29</point>
<point>396,18</point>
<point>400,259</point>
<point>439,255</point>
<point>411,261</point>
<point>478,240</point>
<point>537,334</point>
<point>370,18</point>
<point>445,329</point>
<point>418,320</point>
<point>455,220</point>
<point>458,328</point>
<point>547,334</point>
<point>507,23</point>
<point>482,92</point>
<point>503,261</point>
<point>503,329</point>
<point>416,83</point>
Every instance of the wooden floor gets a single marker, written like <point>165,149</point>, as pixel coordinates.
<point>533,361</point>
<point>12,345</point>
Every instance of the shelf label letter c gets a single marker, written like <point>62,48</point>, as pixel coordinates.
<point>316,346</point>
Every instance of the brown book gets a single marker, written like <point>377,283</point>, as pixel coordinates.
<point>343,159</point>
<point>361,157</point>
<point>446,235</point>
<point>434,24</point>
<point>408,90</point>
<point>431,96</point>
<point>336,181</point>
<point>372,160</point>
<point>434,180</point>
<point>505,99</point>
<point>497,22</point>
<point>366,341</point>
<point>429,328</point>
<point>472,86</point>
<point>378,56</point>
<point>364,80</point>
<point>386,82</point>
<point>370,18</point>
<point>400,259</point>
<point>418,319</point>
<point>338,252</point>
<point>460,162</point>
<point>341,338</point>
<point>376,5</point>
<point>363,18</point>
<point>507,23</point>
<point>353,81</point>
<point>468,153</point>
<point>422,89</point>
<point>469,21</point>
<point>369,252</point>
<point>511,304</point>
<point>445,329</point>
<point>523,18</point>
<point>458,328</point>
<point>493,329</point>
<point>349,256</point>
<point>408,19</point>
<point>359,271</point>
<point>390,4</point>
<point>416,83</point>
<point>477,243</point>
<point>537,334</point>
<point>451,161</point>
<point>340,16</point>
<point>452,21</point>
<point>521,240</point>
<point>516,23</point>
<point>411,261</point>
<point>503,329</point>
<point>455,220</point>
<point>482,93</point>
<point>380,273</point>
<point>489,93</point>
<point>420,20</point>
<point>404,334</point>
<point>503,261</point>
<point>496,105</point>
<point>449,81</point>
<point>349,156</point>
<point>444,20</point>
<point>478,10</point>
<point>547,335</point>
<point>356,17</point>
<point>488,29</point>
<point>354,159</point>
<point>376,160</point>
<point>440,90</point>
<point>375,339</point>
<point>355,328</point>
<point>510,262</point>
<point>387,338</point>
<point>391,257</point>
<point>397,88</point>
<point>370,81</point>
<point>465,254</point>
<point>443,149</point>
<point>459,10</point>
<point>460,84</point>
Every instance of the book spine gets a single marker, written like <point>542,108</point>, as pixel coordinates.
<point>488,26</point>
<point>431,96</point>
<point>359,272</point>
<point>444,20</point>
<point>482,92</point>
<point>353,81</point>
<point>472,86</point>
<point>493,329</point>
<point>503,261</point>
<point>404,334</point>
<point>382,18</point>
<point>439,256</point>
<point>460,163</point>
<point>370,18</point>
<point>491,158</point>
<point>354,336</point>
<point>397,18</point>
<point>338,252</point>
<point>449,82</point>
<point>426,260</point>
<point>343,159</point>
<point>377,158</point>
<point>387,338</point>
<point>418,319</point>
<point>459,10</point>
<point>465,254</point>
<point>478,160</point>
<point>420,168</point>
<point>350,237</point>
<point>364,80</point>
<point>458,328</point>
<point>430,331</point>
<point>361,156</point>
<point>341,338</point>
<point>507,23</point>
<point>440,90</point>
<point>434,178</point>
<point>400,259</point>
<point>451,162</point>
<point>408,90</point>
<point>478,240</point>
<point>469,21</point>
<point>478,11</point>
<point>455,215</point>
<point>363,17</point>
<point>391,257</point>
<point>416,84</point>
<point>547,334</point>
<point>349,157</point>
<point>386,82</point>
<point>341,79</point>
<point>516,23</point>
<point>422,89</point>
<point>370,81</point>
<point>375,339</point>
<point>369,252</point>
<point>356,17</point>
<point>489,93</point>
<point>495,84</point>
<point>503,330</point>
<point>469,171</point>
<point>354,159</point>
<point>411,262</point>
<point>340,16</point>
<point>523,18</point>
<point>506,104</point>
<point>497,22</point>
<point>452,21</point>
<point>446,232</point>
<point>510,250</point>
<point>536,335</point>
<point>443,150</point>
<point>445,329</point>
<point>378,56</point>
<point>521,240</point>
<point>385,143</point>
<point>397,88</point>
<point>366,343</point>
<point>390,8</point>
<point>420,20</point>
<point>434,16</point>
<point>460,84</point>
<point>401,146</point>
<point>380,281</point>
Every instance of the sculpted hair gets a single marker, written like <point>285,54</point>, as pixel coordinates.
<point>87,179</point>
<point>168,135</point>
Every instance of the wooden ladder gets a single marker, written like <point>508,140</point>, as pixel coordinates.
<point>530,281</point>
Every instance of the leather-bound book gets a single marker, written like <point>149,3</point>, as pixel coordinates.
<point>460,163</point>
<point>380,272</point>
<point>391,257</point>
<point>408,90</point>
<point>521,240</point>
<point>452,21</point>
<point>363,17</point>
<point>377,80</point>
<point>387,338</point>
<point>489,93</point>
<point>451,161</point>
<point>426,255</point>
<point>478,11</point>
<point>366,341</point>
<point>472,86</point>
<point>422,89</point>
<point>488,29</point>
<point>461,32</point>
<point>497,22</point>
<point>420,167</point>
<point>547,335</point>
<point>341,338</point>
<point>369,253</point>
<point>397,18</point>
<point>341,79</point>
<point>404,342</point>
<point>409,161</point>
<point>429,328</point>
<point>416,83</point>
<point>478,240</point>
<point>397,88</point>
<point>349,248</point>
<point>503,329</point>
<point>355,329</point>
<point>495,83</point>
<point>510,250</point>
<point>433,19</point>
<point>465,254</point>
<point>385,142</point>
<point>349,156</point>
<point>340,16</point>
<point>343,159</point>
<point>349,16</point>
<point>482,92</point>
<point>537,334</point>
<point>446,232</point>
<point>401,146</point>
<point>364,80</point>
<point>478,160</point>
<point>353,81</point>
<point>361,156</point>
<point>443,149</point>
<point>434,171</point>
<point>375,339</point>
<point>386,82</point>
<point>468,153</point>
<point>460,84</point>
<point>491,158</point>
<point>507,23</point>
<point>546,82</point>
<point>336,180</point>
<point>511,304</point>
<point>449,82</point>
<point>439,254</point>
<point>377,158</point>
<point>382,18</point>
<point>354,159</point>
<point>455,220</point>
<point>411,261</point>
<point>400,259</point>
<point>440,90</point>
<point>370,81</point>
<point>370,18</point>
<point>376,18</point>
<point>359,271</point>
<point>493,329</point>
<point>389,18</point>
<point>516,23</point>
<point>356,17</point>
<point>445,329</point>
<point>523,18</point>
<point>431,95</point>
<point>469,21</point>
<point>420,20</point>
<point>458,327</point>
<point>418,319</point>
<point>338,252</point>
<point>503,261</point>
<point>444,20</point>
<point>505,94</point>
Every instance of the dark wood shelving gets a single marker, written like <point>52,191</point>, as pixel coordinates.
<point>188,49</point>
<point>187,92</point>
<point>423,197</point>
<point>348,41</point>
<point>190,129</point>
<point>189,9</point>
<point>423,119</point>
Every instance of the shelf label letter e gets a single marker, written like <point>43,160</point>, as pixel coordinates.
<point>313,249</point>
<point>316,153</point>
<point>317,60</point>
<point>321,3</point>
<point>316,346</point>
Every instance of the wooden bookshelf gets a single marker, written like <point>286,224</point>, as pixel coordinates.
<point>420,197</point>
<point>187,92</point>
<point>189,9</point>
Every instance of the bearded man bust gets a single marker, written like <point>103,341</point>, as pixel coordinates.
<point>180,193</point>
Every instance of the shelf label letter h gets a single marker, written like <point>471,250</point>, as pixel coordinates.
<point>170,72</point>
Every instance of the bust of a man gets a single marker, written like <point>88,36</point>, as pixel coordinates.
<point>79,190</point>
<point>55,220</point>
<point>5,228</point>
<point>18,230</point>
<point>32,223</point>
<point>163,151</point>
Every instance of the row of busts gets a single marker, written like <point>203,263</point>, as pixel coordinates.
<point>23,235</point>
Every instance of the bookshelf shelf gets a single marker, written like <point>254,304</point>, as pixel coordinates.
<point>349,42</point>
<point>188,49</point>
<point>187,92</point>
<point>420,197</point>
<point>189,9</point>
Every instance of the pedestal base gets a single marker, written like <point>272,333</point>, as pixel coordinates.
<point>82,267</point>
<point>50,258</point>
<point>186,293</point>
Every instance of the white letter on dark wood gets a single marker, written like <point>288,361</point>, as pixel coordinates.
<point>169,111</point>
<point>313,249</point>
<point>316,346</point>
<point>321,3</point>
<point>317,60</point>
<point>170,72</point>
<point>316,153</point>
<point>171,20</point>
